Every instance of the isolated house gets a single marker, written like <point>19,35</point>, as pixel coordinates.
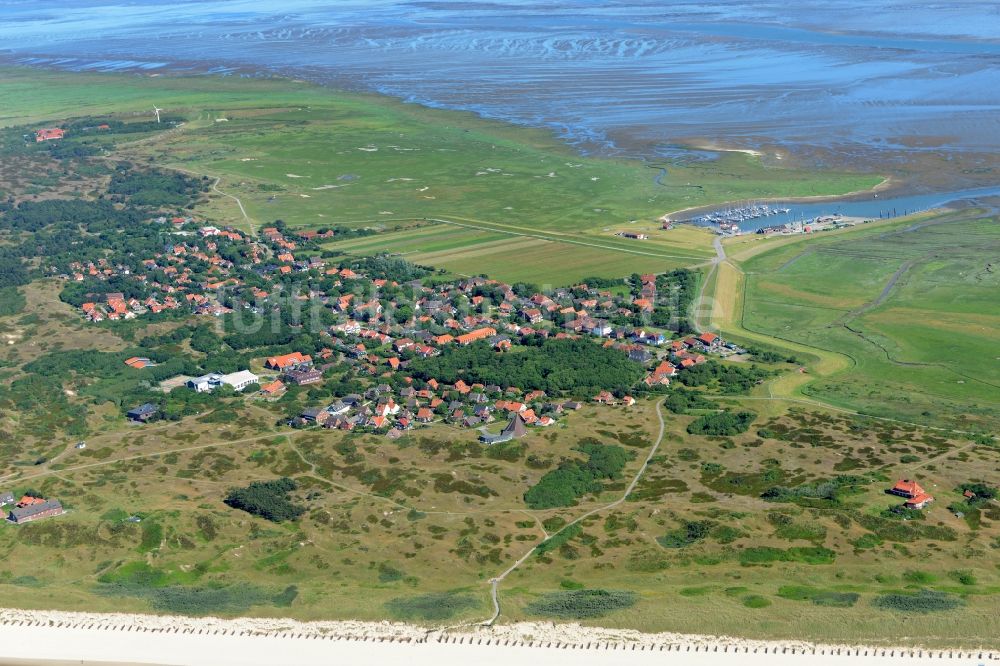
<point>916,496</point>
<point>142,413</point>
<point>49,134</point>
<point>34,508</point>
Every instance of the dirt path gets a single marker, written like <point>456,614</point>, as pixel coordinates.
<point>215,188</point>
<point>251,227</point>
<point>495,582</point>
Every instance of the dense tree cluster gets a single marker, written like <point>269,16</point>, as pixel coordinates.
<point>577,366</point>
<point>387,267</point>
<point>729,379</point>
<point>155,188</point>
<point>681,400</point>
<point>267,499</point>
<point>676,292</point>
<point>574,478</point>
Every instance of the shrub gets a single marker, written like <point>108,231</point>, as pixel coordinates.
<point>431,607</point>
<point>919,577</point>
<point>963,577</point>
<point>581,604</point>
<point>924,601</point>
<point>722,423</point>
<point>763,555</point>
<point>818,596</point>
<point>690,532</point>
<point>756,601</point>
<point>388,573</point>
<point>573,478</point>
<point>558,539</point>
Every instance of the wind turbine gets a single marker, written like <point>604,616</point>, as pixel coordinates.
<point>157,112</point>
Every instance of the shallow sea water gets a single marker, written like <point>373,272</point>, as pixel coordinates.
<point>634,76</point>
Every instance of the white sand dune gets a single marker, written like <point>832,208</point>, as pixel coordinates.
<point>181,641</point>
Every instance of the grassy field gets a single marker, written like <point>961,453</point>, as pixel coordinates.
<point>908,307</point>
<point>468,248</point>
<point>315,157</point>
<point>414,529</point>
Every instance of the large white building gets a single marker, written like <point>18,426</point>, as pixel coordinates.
<point>238,380</point>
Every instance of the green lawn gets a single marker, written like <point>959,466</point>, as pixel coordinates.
<point>542,259</point>
<point>927,349</point>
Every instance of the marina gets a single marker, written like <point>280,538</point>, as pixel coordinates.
<point>795,216</point>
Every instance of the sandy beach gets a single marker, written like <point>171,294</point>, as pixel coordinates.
<point>29,638</point>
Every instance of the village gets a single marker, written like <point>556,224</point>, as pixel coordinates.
<point>378,325</point>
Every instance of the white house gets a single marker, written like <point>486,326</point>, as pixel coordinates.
<point>205,383</point>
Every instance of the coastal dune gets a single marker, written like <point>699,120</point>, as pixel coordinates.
<point>57,638</point>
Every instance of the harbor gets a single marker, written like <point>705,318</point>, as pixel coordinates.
<point>804,216</point>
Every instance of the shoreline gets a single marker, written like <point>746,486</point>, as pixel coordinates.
<point>61,637</point>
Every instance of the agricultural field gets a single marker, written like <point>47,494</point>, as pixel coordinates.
<point>909,306</point>
<point>516,256</point>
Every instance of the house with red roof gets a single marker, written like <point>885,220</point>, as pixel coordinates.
<point>49,134</point>
<point>709,339</point>
<point>916,496</point>
<point>273,389</point>
<point>288,361</point>
<point>478,334</point>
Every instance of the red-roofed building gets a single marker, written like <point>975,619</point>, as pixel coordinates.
<point>709,339</point>
<point>288,361</point>
<point>916,496</point>
<point>478,334</point>
<point>275,388</point>
<point>49,134</point>
<point>906,488</point>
